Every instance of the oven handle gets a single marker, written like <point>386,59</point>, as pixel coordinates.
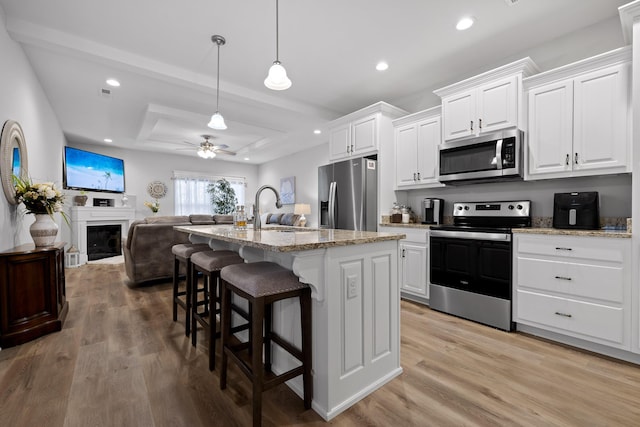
<point>471,235</point>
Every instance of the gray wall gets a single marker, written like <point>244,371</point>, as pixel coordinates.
<point>614,192</point>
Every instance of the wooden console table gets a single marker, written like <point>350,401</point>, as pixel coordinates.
<point>32,293</point>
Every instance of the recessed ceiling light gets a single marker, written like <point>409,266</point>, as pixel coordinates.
<point>108,140</point>
<point>465,23</point>
<point>246,158</point>
<point>382,66</point>
<point>113,82</point>
<point>317,131</point>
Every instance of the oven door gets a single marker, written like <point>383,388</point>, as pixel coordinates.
<point>474,262</point>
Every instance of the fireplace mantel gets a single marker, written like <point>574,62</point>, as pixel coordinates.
<point>84,216</point>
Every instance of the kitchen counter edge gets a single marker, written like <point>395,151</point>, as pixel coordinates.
<point>621,234</point>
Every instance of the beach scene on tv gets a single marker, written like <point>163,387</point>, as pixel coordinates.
<point>92,171</point>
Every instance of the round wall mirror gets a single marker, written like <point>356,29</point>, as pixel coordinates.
<point>13,158</point>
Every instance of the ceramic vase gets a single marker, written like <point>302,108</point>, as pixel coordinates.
<point>44,230</point>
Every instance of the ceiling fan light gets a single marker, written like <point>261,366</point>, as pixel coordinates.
<point>217,122</point>
<point>277,78</point>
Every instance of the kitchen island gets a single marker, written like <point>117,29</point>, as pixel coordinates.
<point>356,308</point>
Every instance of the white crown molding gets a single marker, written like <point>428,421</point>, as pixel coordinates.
<point>58,41</point>
<point>629,13</point>
<point>524,66</point>
<point>617,56</point>
<point>378,107</point>
<point>419,116</point>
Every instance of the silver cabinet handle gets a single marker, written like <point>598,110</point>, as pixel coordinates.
<point>414,176</point>
<point>564,249</point>
<point>566,162</point>
<point>351,148</point>
<point>471,124</point>
<point>563,278</point>
<point>563,314</point>
<point>418,176</point>
<point>575,159</point>
<point>403,253</point>
<point>480,123</point>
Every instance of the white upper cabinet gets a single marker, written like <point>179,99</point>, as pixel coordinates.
<point>579,118</point>
<point>358,134</point>
<point>484,103</point>
<point>416,146</point>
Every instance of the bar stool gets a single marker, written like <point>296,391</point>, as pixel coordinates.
<point>262,284</point>
<point>182,254</point>
<point>209,264</point>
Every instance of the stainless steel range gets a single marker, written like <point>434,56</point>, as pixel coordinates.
<point>471,261</point>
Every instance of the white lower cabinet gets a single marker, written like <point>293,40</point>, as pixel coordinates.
<point>413,263</point>
<point>575,286</point>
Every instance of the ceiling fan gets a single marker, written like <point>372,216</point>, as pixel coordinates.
<point>208,150</point>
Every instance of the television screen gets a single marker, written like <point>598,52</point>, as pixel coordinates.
<point>84,170</point>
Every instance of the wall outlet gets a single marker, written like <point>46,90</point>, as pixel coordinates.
<point>352,287</point>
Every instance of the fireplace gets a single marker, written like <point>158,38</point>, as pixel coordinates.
<point>103,241</point>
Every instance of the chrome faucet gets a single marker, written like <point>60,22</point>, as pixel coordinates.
<point>257,225</point>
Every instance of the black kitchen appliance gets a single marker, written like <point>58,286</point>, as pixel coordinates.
<point>576,210</point>
<point>432,211</point>
<point>471,261</point>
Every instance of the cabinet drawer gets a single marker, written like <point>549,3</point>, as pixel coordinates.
<point>594,248</point>
<point>581,318</point>
<point>581,280</point>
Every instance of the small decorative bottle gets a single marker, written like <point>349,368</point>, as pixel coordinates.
<point>240,218</point>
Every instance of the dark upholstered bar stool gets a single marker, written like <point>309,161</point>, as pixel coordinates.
<point>209,264</point>
<point>182,255</point>
<point>262,284</point>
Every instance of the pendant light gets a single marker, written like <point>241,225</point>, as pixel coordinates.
<point>217,121</point>
<point>277,78</point>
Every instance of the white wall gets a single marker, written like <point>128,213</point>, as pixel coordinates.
<point>24,101</point>
<point>143,167</point>
<point>304,166</point>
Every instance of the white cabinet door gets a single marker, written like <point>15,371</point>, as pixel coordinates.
<point>414,268</point>
<point>364,135</point>
<point>459,115</point>
<point>498,105</point>
<point>550,128</point>
<point>340,142</point>
<point>406,149</point>
<point>429,134</point>
<point>601,102</point>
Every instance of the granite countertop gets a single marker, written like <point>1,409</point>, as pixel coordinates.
<point>410,225</point>
<point>562,232</point>
<point>288,239</point>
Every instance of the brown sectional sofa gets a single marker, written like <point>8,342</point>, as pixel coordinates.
<point>147,250</point>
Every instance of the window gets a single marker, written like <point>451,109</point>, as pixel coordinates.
<point>191,195</point>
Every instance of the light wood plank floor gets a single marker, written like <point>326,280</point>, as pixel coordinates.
<point>121,361</point>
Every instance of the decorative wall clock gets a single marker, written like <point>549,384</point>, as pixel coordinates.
<point>157,189</point>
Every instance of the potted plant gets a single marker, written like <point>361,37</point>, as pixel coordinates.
<point>223,197</point>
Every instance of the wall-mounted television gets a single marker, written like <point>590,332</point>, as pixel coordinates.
<point>84,170</point>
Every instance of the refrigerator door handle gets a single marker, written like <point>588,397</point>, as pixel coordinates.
<point>332,205</point>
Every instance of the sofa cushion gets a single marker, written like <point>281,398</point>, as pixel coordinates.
<point>289,219</point>
<point>274,218</point>
<point>173,219</point>
<point>223,219</point>
<point>201,219</point>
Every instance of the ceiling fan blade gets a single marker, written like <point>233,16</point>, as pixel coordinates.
<point>189,143</point>
<point>185,149</point>
<point>230,153</point>
<point>220,146</point>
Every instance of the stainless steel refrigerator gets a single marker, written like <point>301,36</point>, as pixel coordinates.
<point>348,195</point>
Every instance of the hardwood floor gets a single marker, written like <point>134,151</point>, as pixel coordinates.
<point>121,361</point>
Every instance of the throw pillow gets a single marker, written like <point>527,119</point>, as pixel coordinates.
<point>274,219</point>
<point>289,219</point>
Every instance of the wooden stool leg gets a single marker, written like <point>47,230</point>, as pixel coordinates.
<point>305,314</point>
<point>194,303</point>
<point>176,268</point>
<point>225,326</point>
<point>256,359</point>
<point>268,318</point>
<point>213,302</point>
<point>187,298</point>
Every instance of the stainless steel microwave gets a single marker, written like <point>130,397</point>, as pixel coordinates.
<point>491,157</point>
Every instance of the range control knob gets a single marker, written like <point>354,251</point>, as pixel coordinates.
<point>519,207</point>
<point>510,207</point>
<point>466,208</point>
<point>459,208</point>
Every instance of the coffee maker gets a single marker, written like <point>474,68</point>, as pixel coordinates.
<point>432,211</point>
